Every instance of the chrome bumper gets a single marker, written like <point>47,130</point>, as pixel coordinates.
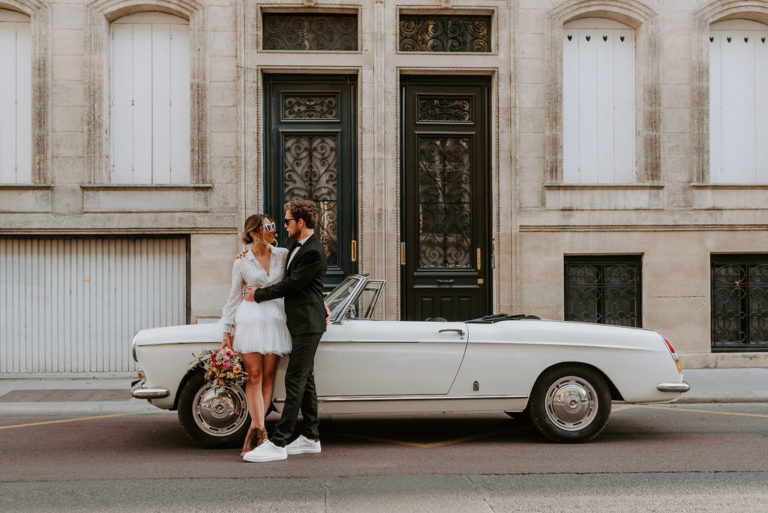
<point>139,391</point>
<point>674,387</point>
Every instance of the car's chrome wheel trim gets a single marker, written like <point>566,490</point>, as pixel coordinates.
<point>571,403</point>
<point>219,412</point>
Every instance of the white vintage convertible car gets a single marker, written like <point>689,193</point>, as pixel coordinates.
<point>563,374</point>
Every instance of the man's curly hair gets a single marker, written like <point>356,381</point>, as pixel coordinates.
<point>303,209</point>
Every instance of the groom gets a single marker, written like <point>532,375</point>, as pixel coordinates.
<point>302,288</point>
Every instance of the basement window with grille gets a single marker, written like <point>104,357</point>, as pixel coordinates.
<point>603,289</point>
<point>739,302</point>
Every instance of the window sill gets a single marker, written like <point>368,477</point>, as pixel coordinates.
<point>146,197</point>
<point>25,198</point>
<point>631,196</point>
<point>725,196</point>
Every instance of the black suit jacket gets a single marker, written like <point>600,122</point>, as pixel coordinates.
<point>302,288</point>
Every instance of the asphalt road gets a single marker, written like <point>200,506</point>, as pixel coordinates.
<point>710,457</point>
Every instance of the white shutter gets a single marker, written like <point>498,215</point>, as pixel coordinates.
<point>142,103</point>
<point>738,102</point>
<point>15,101</point>
<point>598,102</point>
<point>571,136</point>
<point>587,87</point>
<point>73,305</point>
<point>23,104</point>
<point>121,125</point>
<point>715,111</point>
<point>161,97</point>
<point>7,102</point>
<point>153,134</point>
<point>180,129</point>
<point>761,108</point>
<point>624,107</point>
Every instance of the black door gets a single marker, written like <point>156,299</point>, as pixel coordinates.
<point>445,199</point>
<point>310,152</point>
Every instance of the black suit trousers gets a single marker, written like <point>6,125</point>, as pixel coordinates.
<point>300,391</point>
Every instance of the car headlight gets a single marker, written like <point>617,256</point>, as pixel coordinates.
<point>133,350</point>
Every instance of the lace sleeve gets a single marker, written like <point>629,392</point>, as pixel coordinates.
<point>235,296</point>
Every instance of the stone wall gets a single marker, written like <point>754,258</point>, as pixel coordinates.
<point>671,216</point>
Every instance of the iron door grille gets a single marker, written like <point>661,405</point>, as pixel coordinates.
<point>604,290</point>
<point>739,302</point>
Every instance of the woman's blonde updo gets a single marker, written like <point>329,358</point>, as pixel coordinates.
<point>254,224</point>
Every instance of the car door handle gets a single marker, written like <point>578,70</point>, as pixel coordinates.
<point>457,330</point>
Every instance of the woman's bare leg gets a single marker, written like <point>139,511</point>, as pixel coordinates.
<point>269,364</point>
<point>253,390</point>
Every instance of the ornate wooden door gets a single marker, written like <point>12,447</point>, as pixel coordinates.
<point>445,213</point>
<point>310,152</point>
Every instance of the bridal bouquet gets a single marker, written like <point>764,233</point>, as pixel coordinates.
<point>223,367</point>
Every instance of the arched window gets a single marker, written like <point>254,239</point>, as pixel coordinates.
<point>15,98</point>
<point>738,102</point>
<point>149,99</point>
<point>598,102</point>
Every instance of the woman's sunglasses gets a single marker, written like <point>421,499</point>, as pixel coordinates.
<point>271,227</point>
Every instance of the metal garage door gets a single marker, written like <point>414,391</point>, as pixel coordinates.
<point>73,305</point>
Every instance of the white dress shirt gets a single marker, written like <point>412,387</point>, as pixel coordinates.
<point>296,250</point>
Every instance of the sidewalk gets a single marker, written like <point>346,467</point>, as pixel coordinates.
<point>726,386</point>
<point>94,395</point>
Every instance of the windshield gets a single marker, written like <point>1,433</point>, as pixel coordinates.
<point>337,299</point>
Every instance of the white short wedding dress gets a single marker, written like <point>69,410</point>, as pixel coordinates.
<point>258,327</point>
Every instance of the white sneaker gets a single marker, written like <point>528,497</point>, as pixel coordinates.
<point>303,445</point>
<point>266,452</point>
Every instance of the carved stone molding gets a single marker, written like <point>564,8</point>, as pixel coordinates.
<point>718,10</point>
<point>101,13</point>
<point>644,21</point>
<point>39,14</point>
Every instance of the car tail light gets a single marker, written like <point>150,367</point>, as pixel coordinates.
<point>674,355</point>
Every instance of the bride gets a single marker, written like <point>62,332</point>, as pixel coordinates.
<point>260,332</point>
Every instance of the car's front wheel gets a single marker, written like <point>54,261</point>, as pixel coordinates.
<point>213,418</point>
<point>570,404</point>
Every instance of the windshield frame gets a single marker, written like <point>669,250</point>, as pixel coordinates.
<point>344,301</point>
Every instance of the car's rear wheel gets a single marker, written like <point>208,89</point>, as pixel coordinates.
<point>570,404</point>
<point>213,418</point>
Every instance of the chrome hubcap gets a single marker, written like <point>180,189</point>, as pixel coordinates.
<point>571,403</point>
<point>219,412</point>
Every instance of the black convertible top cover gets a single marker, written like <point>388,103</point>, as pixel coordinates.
<point>491,319</point>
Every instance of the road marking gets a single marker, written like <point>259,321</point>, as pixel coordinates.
<point>77,419</point>
<point>429,445</point>
<point>672,408</point>
<point>622,408</point>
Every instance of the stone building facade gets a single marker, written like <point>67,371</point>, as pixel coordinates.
<point>506,102</point>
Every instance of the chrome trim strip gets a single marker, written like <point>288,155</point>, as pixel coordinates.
<point>673,387</point>
<point>359,398</point>
<point>149,393</point>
